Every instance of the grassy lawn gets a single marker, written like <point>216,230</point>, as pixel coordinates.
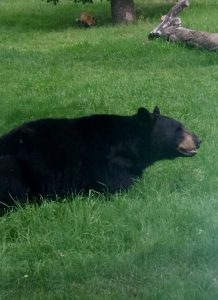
<point>159,240</point>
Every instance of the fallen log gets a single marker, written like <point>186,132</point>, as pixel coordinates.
<point>168,18</point>
<point>194,38</point>
<point>171,29</point>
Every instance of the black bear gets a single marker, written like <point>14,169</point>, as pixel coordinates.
<point>105,153</point>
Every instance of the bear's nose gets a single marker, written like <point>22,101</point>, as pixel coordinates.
<point>198,142</point>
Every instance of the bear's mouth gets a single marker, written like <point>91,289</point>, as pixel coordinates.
<point>187,152</point>
<point>189,144</point>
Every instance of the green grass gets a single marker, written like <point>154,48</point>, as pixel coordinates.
<point>159,240</point>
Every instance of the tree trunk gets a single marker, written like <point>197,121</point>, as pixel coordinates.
<point>122,11</point>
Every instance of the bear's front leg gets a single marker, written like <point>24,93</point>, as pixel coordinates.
<point>13,185</point>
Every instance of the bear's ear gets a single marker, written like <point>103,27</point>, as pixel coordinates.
<point>156,111</point>
<point>143,113</point>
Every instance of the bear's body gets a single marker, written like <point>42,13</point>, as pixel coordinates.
<point>105,153</point>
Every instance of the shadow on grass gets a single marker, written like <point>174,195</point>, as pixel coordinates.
<point>49,17</point>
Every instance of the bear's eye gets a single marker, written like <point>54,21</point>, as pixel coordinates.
<point>179,129</point>
<point>178,132</point>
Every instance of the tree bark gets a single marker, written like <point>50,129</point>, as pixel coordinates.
<point>122,11</point>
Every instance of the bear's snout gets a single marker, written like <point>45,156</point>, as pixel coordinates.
<point>189,144</point>
<point>198,142</point>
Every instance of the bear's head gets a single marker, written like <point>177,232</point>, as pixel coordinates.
<point>169,138</point>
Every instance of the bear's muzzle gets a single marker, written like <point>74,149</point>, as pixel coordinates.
<point>189,144</point>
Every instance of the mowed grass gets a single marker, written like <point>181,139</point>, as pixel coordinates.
<point>159,240</point>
